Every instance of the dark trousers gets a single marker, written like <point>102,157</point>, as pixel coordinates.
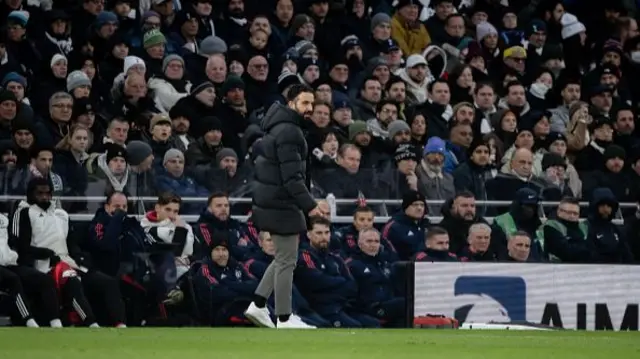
<point>103,293</point>
<point>40,291</point>
<point>10,283</point>
<point>165,275</point>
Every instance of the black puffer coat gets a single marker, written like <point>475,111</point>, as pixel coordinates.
<point>281,198</point>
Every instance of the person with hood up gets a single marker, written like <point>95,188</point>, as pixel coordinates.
<point>610,175</point>
<point>377,278</point>
<point>171,244</point>
<point>405,230</point>
<point>522,216</point>
<point>458,214</point>
<point>172,178</point>
<point>607,239</point>
<point>57,39</point>
<point>436,247</point>
<point>433,182</point>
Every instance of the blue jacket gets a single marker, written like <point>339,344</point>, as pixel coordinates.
<point>348,237</point>
<point>375,278</point>
<point>405,235</point>
<point>609,242</point>
<point>324,280</point>
<point>113,240</point>
<point>217,286</point>
<point>453,157</point>
<point>241,241</point>
<point>183,187</point>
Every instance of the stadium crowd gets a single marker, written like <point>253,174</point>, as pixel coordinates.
<point>415,100</point>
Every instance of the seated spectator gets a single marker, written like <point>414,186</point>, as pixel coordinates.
<point>171,85</point>
<point>436,244</point>
<point>223,288</point>
<point>518,248</point>
<point>459,214</point>
<point>173,237</point>
<point>524,140</point>
<point>473,174</point>
<point>224,175</point>
<point>609,242</point>
<point>591,155</point>
<point>141,173</point>
<point>363,218</point>
<point>433,182</point>
<point>180,128</point>
<point>110,167</point>
<point>41,233</point>
<point>324,279</point>
<point>564,237</point>
<point>457,146</point>
<point>611,176</point>
<point>376,277</point>
<point>117,132</point>
<point>202,153</point>
<point>25,284</point>
<point>69,163</point>
<point>523,217</point>
<point>557,143</point>
<point>40,167</point>
<point>405,230</point>
<point>158,138</point>
<point>171,178</point>
<point>216,217</point>
<point>478,248</point>
<point>57,121</point>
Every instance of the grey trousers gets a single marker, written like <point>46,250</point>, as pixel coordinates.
<point>279,274</point>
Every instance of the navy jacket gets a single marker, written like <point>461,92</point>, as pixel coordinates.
<point>241,241</point>
<point>405,234</point>
<point>348,237</point>
<point>324,280</point>
<point>430,255</point>
<point>609,242</point>
<point>375,278</point>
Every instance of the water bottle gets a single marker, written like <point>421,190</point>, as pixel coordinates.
<point>331,200</point>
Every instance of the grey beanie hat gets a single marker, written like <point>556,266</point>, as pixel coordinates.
<point>137,152</point>
<point>225,152</point>
<point>76,79</point>
<point>171,154</point>
<point>395,127</point>
<point>303,46</point>
<point>212,45</point>
<point>168,59</point>
<point>379,19</point>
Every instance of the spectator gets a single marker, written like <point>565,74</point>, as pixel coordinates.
<point>518,248</point>
<point>433,182</point>
<point>405,231</point>
<point>173,179</point>
<point>459,214</point>
<point>436,244</point>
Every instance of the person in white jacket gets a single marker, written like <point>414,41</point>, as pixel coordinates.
<point>14,279</point>
<point>170,254</point>
<point>171,86</point>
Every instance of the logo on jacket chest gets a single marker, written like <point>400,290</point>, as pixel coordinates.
<point>238,274</point>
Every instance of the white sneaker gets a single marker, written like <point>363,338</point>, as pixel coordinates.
<point>294,322</point>
<point>259,316</point>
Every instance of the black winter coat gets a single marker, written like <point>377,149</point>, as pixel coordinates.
<point>281,198</point>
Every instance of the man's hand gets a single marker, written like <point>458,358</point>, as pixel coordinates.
<point>412,181</point>
<point>316,212</point>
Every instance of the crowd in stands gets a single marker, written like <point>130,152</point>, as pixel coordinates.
<point>415,100</point>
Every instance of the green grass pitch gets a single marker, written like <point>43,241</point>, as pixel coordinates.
<point>232,343</point>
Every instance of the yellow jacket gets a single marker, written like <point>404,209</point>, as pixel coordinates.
<point>411,41</point>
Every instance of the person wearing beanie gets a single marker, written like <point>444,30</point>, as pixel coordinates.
<point>172,179</point>
<point>226,155</point>
<point>406,159</point>
<point>571,26</point>
<point>473,174</point>
<point>212,45</point>
<point>591,157</point>
<point>406,229</point>
<point>433,181</point>
<point>554,171</point>
<point>14,77</point>
<point>357,128</point>
<point>483,30</point>
<point>232,82</point>
<point>382,20</point>
<point>300,27</point>
<point>173,86</point>
<point>78,84</point>
<point>394,128</point>
<point>110,166</point>
<point>557,143</point>
<point>134,64</point>
<point>203,151</point>
<point>286,79</point>
<point>139,156</point>
<point>410,34</point>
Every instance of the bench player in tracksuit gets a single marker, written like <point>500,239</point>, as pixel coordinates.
<point>362,219</point>
<point>376,278</point>
<point>324,280</point>
<point>223,288</point>
<point>436,247</point>
<point>406,229</point>
<point>257,266</point>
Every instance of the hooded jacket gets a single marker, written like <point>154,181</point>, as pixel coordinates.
<point>609,242</point>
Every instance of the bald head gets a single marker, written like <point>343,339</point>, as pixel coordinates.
<point>522,162</point>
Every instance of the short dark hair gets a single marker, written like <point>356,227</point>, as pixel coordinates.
<point>166,198</point>
<point>367,79</point>
<point>112,194</point>
<point>451,16</point>
<point>435,231</point>
<point>297,89</point>
<point>387,101</point>
<point>317,220</point>
<point>35,152</point>
<point>363,209</point>
<point>510,84</point>
<point>570,200</point>
<point>436,81</point>
<point>464,194</point>
<point>215,195</point>
<point>393,79</point>
<point>482,85</point>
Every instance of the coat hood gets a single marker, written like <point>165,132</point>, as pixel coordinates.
<point>278,114</point>
<point>603,196</point>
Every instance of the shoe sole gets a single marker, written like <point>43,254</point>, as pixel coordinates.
<point>256,321</point>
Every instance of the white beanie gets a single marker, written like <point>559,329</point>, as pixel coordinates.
<point>131,61</point>
<point>483,29</point>
<point>56,58</point>
<point>571,26</point>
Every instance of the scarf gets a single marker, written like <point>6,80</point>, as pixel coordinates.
<point>64,45</point>
<point>117,185</point>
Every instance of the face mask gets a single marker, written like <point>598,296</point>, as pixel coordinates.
<point>539,89</point>
<point>635,57</point>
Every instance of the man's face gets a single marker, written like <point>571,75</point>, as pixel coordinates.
<point>440,93</point>
<point>605,211</point>
<point>62,110</point>
<point>465,114</point>
<point>625,122</point>
<point>219,207</point>
<point>267,244</point>
<point>363,220</point>
<point>369,243</point>
<point>117,166</point>
<point>284,10</point>
<point>611,57</point>
<point>350,160</point>
<point>23,138</point>
<point>602,101</point>
<point>175,166</point>
<point>236,97</point>
<point>168,211</point>
<point>213,138</point>
<point>372,91</point>
<point>388,113</point>
<point>319,236</point>
<point>522,164</point>
<point>516,96</point>
<point>558,147</point>
<point>161,132</point>
<point>398,92</point>
<point>465,208</point>
<point>321,116</point>
<point>303,104</point>
<point>609,80</point>
<point>9,159</point>
<point>363,139</point>
<point>538,39</point>
<point>485,98</point>
<point>455,27</point>
<point>515,62</point>
<point>118,131</point>
<point>118,202</point>
<point>481,156</point>
<point>382,32</point>
<point>439,242</point>
<point>180,125</point>
<point>258,68</point>
<point>519,248</point>
<point>220,256</point>
<point>42,195</point>
<point>479,240</point>
<point>418,73</point>
<point>415,210</point>
<point>462,135</point>
<point>615,165</point>
<point>604,133</point>
<point>407,167</point>
<point>569,212</point>
<point>8,110</point>
<point>44,162</point>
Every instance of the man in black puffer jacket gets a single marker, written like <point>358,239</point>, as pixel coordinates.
<point>281,201</point>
